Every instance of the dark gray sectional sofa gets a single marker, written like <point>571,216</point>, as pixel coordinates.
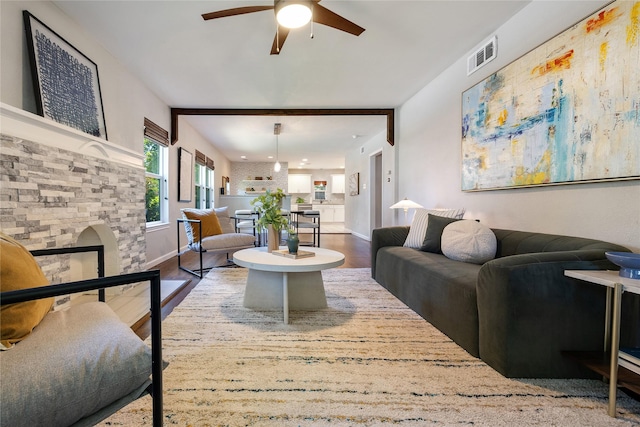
<point>517,312</point>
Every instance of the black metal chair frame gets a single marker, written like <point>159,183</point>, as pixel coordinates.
<point>155,388</point>
<point>315,220</point>
<point>200,272</point>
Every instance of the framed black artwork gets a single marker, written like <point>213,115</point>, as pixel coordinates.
<point>65,81</point>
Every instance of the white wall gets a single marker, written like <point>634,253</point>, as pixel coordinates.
<point>162,240</point>
<point>126,102</point>
<point>358,208</point>
<point>429,145</point>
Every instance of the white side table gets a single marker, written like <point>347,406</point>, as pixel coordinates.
<point>616,285</point>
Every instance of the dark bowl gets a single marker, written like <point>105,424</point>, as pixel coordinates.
<point>629,263</point>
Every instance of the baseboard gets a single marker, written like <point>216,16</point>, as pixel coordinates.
<point>362,236</point>
<point>161,259</point>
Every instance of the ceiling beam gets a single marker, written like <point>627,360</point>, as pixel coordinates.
<point>388,112</point>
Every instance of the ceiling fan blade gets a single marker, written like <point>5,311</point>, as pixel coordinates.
<point>279,39</point>
<point>324,16</point>
<point>235,11</point>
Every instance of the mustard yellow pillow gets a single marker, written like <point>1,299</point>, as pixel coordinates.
<point>19,270</point>
<point>210,222</point>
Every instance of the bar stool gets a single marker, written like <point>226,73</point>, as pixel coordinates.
<point>313,222</point>
<point>245,222</point>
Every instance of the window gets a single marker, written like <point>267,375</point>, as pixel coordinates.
<point>155,162</point>
<point>203,181</point>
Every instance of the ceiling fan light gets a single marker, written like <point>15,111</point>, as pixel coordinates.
<point>293,14</point>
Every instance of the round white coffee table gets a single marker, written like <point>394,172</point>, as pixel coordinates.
<point>279,282</point>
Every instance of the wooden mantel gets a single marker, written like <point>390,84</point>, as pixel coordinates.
<point>389,112</point>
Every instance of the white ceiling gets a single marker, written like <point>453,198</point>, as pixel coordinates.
<point>225,63</point>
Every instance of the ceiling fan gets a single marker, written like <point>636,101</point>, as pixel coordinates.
<point>293,14</point>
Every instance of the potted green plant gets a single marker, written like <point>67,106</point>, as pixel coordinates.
<point>269,207</point>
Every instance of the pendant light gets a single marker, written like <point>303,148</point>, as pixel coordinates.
<point>276,132</point>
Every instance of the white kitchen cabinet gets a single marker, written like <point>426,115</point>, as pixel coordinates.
<point>330,213</point>
<point>326,213</point>
<point>299,183</point>
<point>337,184</point>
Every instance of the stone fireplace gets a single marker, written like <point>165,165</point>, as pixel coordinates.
<point>60,188</point>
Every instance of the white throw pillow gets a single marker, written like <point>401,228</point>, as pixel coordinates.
<point>227,224</point>
<point>469,241</point>
<point>418,228</point>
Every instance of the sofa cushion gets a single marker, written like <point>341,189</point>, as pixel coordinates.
<point>418,229</point>
<point>19,270</point>
<point>433,237</point>
<point>440,290</point>
<point>469,241</point>
<point>74,363</point>
<point>208,221</point>
<point>228,241</point>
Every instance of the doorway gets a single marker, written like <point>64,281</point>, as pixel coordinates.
<point>375,208</point>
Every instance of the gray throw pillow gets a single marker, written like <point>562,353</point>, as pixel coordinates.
<point>74,363</point>
<point>469,241</point>
<point>433,236</point>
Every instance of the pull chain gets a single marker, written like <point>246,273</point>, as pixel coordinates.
<point>312,5</point>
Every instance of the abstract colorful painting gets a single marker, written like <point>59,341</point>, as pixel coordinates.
<point>566,112</point>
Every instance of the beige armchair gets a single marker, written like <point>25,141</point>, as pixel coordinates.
<point>210,231</point>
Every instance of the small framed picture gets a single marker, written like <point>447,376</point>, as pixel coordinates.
<point>65,81</point>
<point>354,184</point>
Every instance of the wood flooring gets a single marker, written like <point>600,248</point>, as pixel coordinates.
<point>355,249</point>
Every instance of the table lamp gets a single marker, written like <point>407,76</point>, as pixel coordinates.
<point>405,204</point>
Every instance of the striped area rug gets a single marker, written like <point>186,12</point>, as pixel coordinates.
<point>365,360</point>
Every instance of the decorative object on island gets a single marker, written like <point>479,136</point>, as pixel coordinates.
<point>269,207</point>
<point>65,81</point>
<point>405,204</point>
<point>293,241</point>
<point>185,173</point>
<point>550,116</point>
<point>276,132</point>
<point>354,184</point>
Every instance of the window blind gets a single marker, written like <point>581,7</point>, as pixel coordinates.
<point>155,132</point>
<point>201,159</point>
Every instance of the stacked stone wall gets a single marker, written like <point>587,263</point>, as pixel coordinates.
<point>48,196</point>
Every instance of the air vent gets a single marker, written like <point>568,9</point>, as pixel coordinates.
<point>483,55</point>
